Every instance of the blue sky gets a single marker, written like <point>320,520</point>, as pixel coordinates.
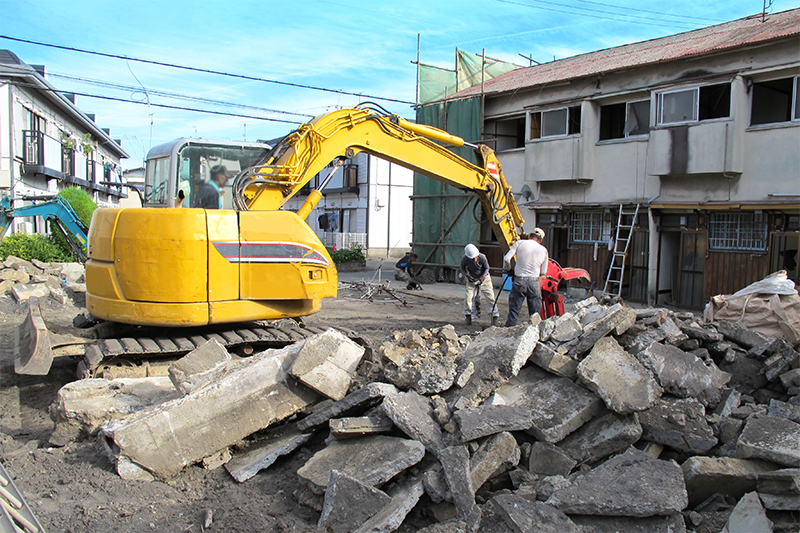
<point>366,48</point>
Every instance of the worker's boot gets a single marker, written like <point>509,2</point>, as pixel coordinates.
<point>468,320</point>
<point>495,320</point>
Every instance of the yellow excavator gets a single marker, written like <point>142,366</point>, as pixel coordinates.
<point>181,275</point>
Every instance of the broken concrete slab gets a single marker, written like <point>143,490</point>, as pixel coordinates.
<point>372,460</point>
<point>783,481</point>
<point>673,523</point>
<point>549,359</point>
<point>566,328</point>
<point>516,389</point>
<point>635,343</point>
<point>705,334</point>
<point>605,435</point>
<point>22,292</point>
<point>780,502</point>
<point>327,363</point>
<point>363,398</point>
<point>456,466</point>
<point>748,516</point>
<point>424,361</point>
<point>83,406</point>
<point>786,410</point>
<point>498,355</point>
<point>772,439</point>
<point>550,460</point>
<point>616,315</point>
<point>405,494</point>
<point>784,358</point>
<point>262,454</point>
<point>678,423</point>
<point>253,394</point>
<point>485,420</point>
<point>558,407</point>
<point>412,413</point>
<point>524,516</point>
<point>375,423</point>
<point>199,367</point>
<point>740,334</point>
<point>618,378</point>
<point>705,476</point>
<point>729,401</point>
<point>630,484</point>
<point>679,373</point>
<point>497,453</point>
<point>349,502</point>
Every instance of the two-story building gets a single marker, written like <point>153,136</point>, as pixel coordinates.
<point>698,133</point>
<point>47,143</point>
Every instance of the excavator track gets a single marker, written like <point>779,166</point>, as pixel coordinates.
<point>151,355</point>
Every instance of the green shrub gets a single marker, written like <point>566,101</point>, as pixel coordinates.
<point>354,253</point>
<point>35,246</point>
<point>84,206</point>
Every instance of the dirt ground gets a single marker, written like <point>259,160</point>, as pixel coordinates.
<point>75,488</point>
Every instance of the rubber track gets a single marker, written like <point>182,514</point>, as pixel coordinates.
<point>132,350</point>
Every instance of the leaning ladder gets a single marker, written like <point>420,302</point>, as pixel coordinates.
<point>622,241</point>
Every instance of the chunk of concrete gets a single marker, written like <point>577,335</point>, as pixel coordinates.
<point>276,443</point>
<point>524,516</point>
<point>630,484</point>
<point>363,398</point>
<point>253,394</point>
<point>784,359</point>
<point>680,373</point>
<point>559,406</point>
<point>327,363</point>
<point>547,358</point>
<point>371,460</point>
<point>605,435</point>
<point>550,460</point>
<point>636,343</point>
<point>372,424</point>
<point>748,517</point>
<point>703,334</point>
<point>485,420</point>
<point>618,378</point>
<point>498,452</point>
<point>786,410</point>
<point>456,465</point>
<point>673,523</point>
<point>22,292</point>
<point>348,503</point>
<point>566,328</point>
<point>772,439</point>
<point>405,494</point>
<point>516,389</point>
<point>678,423</point>
<point>83,406</point>
<point>740,334</point>
<point>790,378</point>
<point>705,476</point>
<point>784,481</point>
<point>617,314</point>
<point>729,401</point>
<point>780,502</point>
<point>412,413</point>
<point>199,367</point>
<point>498,355</point>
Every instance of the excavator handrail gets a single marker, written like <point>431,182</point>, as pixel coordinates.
<point>302,154</point>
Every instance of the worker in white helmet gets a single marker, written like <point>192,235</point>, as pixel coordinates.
<point>475,269</point>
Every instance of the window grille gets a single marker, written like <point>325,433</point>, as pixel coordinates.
<point>588,226</point>
<point>738,231</point>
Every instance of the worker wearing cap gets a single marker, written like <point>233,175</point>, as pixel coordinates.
<point>209,196</point>
<point>531,264</point>
<point>475,269</point>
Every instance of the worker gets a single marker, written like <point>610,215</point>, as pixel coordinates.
<point>475,269</point>
<point>209,196</point>
<point>531,265</point>
<point>406,265</point>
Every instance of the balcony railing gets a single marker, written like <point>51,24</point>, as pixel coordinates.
<point>343,241</point>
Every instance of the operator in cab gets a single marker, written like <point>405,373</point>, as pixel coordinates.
<point>209,196</point>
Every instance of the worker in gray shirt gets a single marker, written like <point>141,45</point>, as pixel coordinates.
<point>475,269</point>
<point>531,264</point>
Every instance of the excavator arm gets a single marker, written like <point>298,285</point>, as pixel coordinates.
<point>341,134</point>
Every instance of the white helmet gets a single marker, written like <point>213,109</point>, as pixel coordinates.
<point>471,251</point>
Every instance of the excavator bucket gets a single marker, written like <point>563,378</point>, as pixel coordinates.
<point>34,344</point>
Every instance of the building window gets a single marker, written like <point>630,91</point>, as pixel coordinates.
<point>507,134</point>
<point>350,176</point>
<point>589,226</point>
<point>775,101</point>
<point>556,122</point>
<point>738,231</point>
<point>628,119</point>
<point>698,103</point>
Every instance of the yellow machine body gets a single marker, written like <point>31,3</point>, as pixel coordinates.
<point>195,267</point>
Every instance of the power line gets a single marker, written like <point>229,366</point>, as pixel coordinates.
<point>165,106</point>
<point>110,85</point>
<point>648,11</point>
<point>662,24</point>
<point>205,71</point>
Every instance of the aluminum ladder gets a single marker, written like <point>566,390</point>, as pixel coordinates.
<point>622,242</point>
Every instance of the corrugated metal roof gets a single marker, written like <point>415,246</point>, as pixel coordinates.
<point>730,35</point>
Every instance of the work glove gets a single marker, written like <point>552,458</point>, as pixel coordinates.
<point>477,282</point>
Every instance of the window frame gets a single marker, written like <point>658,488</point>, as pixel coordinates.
<point>794,103</point>
<point>568,122</point>
<point>696,89</point>
<point>625,133</point>
<point>604,227</point>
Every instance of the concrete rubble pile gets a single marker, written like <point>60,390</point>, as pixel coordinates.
<point>63,282</point>
<point>605,419</point>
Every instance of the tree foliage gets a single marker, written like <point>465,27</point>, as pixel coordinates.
<point>354,253</point>
<point>34,246</point>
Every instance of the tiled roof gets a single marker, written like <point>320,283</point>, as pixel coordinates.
<point>727,36</point>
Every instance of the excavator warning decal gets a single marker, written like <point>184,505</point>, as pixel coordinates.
<point>269,252</point>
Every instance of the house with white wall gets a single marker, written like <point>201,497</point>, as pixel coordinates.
<point>47,143</point>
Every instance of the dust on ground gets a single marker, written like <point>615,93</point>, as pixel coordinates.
<point>76,488</point>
